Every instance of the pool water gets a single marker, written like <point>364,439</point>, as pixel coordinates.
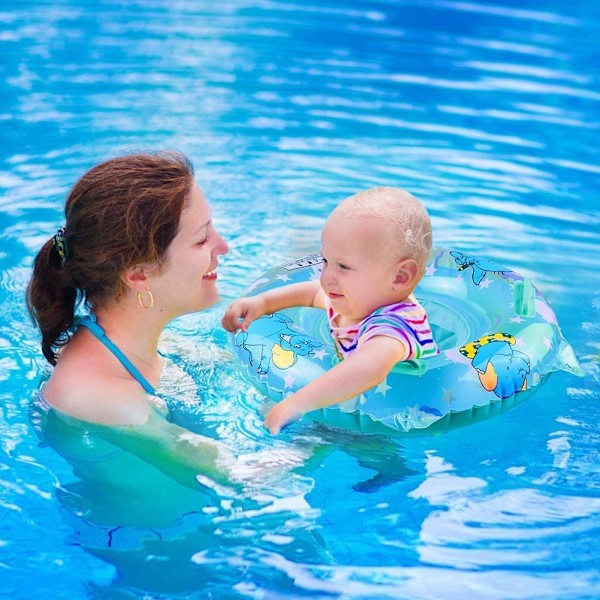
<point>487,112</point>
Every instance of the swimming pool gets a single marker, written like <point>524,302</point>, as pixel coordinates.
<point>488,112</point>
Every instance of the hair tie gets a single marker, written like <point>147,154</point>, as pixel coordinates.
<point>60,244</point>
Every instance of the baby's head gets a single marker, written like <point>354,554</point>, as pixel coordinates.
<point>404,225</point>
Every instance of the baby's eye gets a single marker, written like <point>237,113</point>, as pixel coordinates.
<point>344,267</point>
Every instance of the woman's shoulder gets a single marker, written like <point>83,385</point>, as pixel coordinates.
<point>98,401</point>
<point>86,387</point>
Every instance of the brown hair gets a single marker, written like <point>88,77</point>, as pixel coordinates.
<point>122,212</point>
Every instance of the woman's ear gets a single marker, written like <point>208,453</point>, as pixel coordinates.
<point>407,273</point>
<point>136,277</point>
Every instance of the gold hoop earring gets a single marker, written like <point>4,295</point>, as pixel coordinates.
<point>141,302</point>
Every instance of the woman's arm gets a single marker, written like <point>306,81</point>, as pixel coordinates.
<point>362,370</point>
<point>187,457</point>
<point>118,412</point>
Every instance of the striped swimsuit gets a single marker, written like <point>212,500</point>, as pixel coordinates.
<point>405,321</point>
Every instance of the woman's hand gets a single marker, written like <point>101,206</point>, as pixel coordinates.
<point>247,308</point>
<point>282,414</point>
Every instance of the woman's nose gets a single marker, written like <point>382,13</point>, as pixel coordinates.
<point>221,246</point>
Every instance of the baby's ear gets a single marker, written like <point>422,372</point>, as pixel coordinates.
<point>407,272</point>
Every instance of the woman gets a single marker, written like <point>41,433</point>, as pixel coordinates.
<point>139,248</point>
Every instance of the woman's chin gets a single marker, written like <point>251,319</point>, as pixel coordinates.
<point>209,300</point>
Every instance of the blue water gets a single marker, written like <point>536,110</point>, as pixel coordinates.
<point>488,112</point>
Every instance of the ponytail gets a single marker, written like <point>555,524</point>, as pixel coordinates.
<point>51,300</point>
<point>122,212</point>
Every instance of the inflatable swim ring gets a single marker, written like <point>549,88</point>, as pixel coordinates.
<point>498,340</point>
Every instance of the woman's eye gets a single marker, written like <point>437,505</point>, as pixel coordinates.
<point>203,242</point>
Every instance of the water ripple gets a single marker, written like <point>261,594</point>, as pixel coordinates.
<point>513,13</point>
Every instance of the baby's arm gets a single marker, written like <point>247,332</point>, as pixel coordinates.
<point>250,308</point>
<point>362,370</point>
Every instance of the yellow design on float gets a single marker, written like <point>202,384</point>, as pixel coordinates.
<point>282,359</point>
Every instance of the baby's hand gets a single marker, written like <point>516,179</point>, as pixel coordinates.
<point>247,308</point>
<point>280,415</point>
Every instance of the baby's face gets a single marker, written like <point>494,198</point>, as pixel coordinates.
<point>359,274</point>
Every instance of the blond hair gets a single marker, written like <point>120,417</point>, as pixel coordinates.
<point>406,226</point>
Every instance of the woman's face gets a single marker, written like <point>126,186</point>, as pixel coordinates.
<point>187,282</point>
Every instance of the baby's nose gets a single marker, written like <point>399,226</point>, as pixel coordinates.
<point>325,275</point>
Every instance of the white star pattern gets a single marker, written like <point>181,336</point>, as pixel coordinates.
<point>320,354</point>
<point>486,283</point>
<point>519,342</point>
<point>516,320</point>
<point>383,388</point>
<point>289,380</point>
<point>430,271</point>
<point>283,277</point>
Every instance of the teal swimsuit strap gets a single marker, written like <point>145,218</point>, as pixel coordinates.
<point>90,322</point>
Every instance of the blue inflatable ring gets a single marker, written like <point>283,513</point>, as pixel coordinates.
<point>498,341</point>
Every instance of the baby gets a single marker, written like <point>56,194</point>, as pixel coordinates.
<point>375,246</point>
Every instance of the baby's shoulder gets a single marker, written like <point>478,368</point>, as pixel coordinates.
<point>409,306</point>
